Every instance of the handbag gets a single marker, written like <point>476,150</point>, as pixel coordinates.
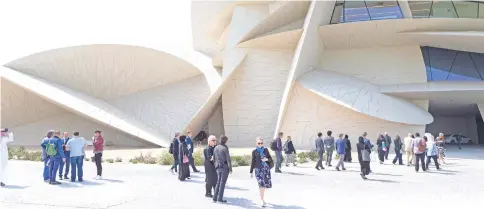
<point>365,155</point>
<point>185,158</point>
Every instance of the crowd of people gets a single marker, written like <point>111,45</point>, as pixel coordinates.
<point>62,154</point>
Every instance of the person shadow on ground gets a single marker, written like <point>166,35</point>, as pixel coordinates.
<point>246,203</point>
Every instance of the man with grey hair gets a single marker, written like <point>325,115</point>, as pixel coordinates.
<point>46,173</point>
<point>174,151</point>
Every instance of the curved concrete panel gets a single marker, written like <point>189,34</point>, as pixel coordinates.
<point>363,97</point>
<point>106,71</point>
<point>85,105</point>
<point>286,13</point>
<point>285,40</point>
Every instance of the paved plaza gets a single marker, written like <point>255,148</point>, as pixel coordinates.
<point>128,186</point>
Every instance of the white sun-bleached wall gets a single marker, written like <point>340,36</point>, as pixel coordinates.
<point>309,114</point>
<point>31,116</point>
<point>167,108</point>
<point>383,65</point>
<point>252,98</point>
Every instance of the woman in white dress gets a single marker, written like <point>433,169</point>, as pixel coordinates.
<point>6,138</point>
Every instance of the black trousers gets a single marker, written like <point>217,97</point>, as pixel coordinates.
<point>387,152</point>
<point>365,167</point>
<point>420,159</point>
<point>98,160</point>
<point>398,156</point>
<point>435,161</point>
<point>192,163</point>
<point>381,155</point>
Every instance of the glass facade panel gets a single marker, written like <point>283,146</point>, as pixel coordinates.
<point>481,11</point>
<point>355,11</point>
<point>445,64</point>
<point>447,9</point>
<point>420,9</point>
<point>443,9</point>
<point>466,9</point>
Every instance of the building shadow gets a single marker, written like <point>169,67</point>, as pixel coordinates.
<point>113,180</point>
<point>386,174</point>
<point>382,180</point>
<point>246,203</point>
<point>15,187</point>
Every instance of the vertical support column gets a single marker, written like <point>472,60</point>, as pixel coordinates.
<point>405,7</point>
<point>308,51</point>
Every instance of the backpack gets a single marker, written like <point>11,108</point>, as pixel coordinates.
<point>421,145</point>
<point>171,148</point>
<point>274,145</point>
<point>51,149</point>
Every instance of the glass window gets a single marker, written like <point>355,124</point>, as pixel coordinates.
<point>384,10</point>
<point>338,13</point>
<point>466,9</point>
<point>463,68</point>
<point>420,9</point>
<point>481,10</point>
<point>445,64</point>
<point>355,11</point>
<point>443,9</point>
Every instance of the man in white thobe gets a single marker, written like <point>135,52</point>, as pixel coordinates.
<point>6,138</point>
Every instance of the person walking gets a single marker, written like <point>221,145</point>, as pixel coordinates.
<point>347,157</point>
<point>370,145</point>
<point>65,139</point>
<point>432,153</point>
<point>381,143</point>
<point>419,147</point>
<point>329,145</point>
<point>5,138</point>
<point>77,148</point>
<point>290,152</point>
<point>46,158</point>
<point>340,150</point>
<point>388,144</point>
<point>98,144</point>
<point>223,166</point>
<point>278,151</point>
<point>408,146</point>
<point>191,146</point>
<point>210,172</point>
<point>320,150</point>
<point>261,163</point>
<point>184,157</point>
<point>364,151</point>
<point>53,148</point>
<point>458,138</point>
<point>398,150</point>
<point>440,142</point>
<point>174,150</point>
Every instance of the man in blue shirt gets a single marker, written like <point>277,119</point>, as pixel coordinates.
<point>370,145</point>
<point>66,154</point>
<point>189,142</point>
<point>340,149</point>
<point>54,160</point>
<point>278,152</point>
<point>45,158</point>
<point>77,147</point>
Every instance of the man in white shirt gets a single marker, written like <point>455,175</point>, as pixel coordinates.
<point>77,147</point>
<point>6,138</point>
<point>408,147</point>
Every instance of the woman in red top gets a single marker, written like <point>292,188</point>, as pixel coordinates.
<point>98,143</point>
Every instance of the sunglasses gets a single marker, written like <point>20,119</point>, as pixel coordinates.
<point>260,143</point>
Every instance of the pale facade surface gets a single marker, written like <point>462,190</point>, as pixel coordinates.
<point>243,69</point>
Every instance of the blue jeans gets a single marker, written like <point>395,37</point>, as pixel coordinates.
<point>76,164</point>
<point>53,167</point>
<point>278,160</point>
<point>46,169</point>
<point>67,164</point>
<point>175,164</point>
